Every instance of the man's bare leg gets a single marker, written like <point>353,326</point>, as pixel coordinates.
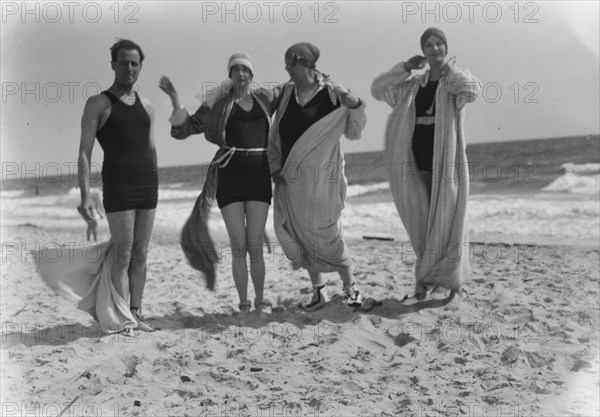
<point>121,226</point>
<point>144,222</point>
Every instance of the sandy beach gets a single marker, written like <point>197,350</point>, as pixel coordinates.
<point>523,342</point>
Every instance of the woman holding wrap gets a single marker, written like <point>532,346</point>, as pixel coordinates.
<point>307,167</point>
<point>237,118</point>
<point>426,159</point>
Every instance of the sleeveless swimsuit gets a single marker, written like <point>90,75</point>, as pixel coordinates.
<point>246,177</point>
<point>297,119</point>
<point>129,170</point>
<point>423,136</point>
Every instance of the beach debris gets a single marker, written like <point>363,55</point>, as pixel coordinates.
<point>403,339</point>
<point>185,378</point>
<point>34,226</point>
<point>137,403</point>
<point>21,310</point>
<point>133,362</point>
<point>68,406</point>
<point>86,374</point>
<point>387,239</point>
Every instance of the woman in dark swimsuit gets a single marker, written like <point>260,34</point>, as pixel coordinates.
<point>425,131</point>
<point>306,100</point>
<point>238,121</point>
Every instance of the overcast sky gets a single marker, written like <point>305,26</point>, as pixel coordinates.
<point>538,63</point>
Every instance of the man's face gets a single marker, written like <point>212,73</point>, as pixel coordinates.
<point>127,67</point>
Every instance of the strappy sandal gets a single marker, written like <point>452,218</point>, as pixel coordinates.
<point>129,332</point>
<point>245,307</point>
<point>461,292</point>
<point>421,292</point>
<point>141,321</point>
<point>263,304</point>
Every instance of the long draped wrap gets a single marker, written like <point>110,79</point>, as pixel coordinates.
<point>210,119</point>
<point>308,207</point>
<point>83,276</point>
<point>436,224</point>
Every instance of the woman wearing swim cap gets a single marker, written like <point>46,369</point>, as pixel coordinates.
<point>426,159</point>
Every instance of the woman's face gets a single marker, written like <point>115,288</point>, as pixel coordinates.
<point>241,74</point>
<point>295,68</point>
<point>434,50</point>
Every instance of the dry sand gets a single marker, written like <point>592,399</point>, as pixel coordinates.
<point>524,342</point>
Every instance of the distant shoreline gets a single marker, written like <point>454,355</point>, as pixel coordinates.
<point>514,166</point>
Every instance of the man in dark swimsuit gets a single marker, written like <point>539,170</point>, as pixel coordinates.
<point>124,125</point>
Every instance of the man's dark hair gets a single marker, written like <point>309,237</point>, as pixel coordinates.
<point>125,44</point>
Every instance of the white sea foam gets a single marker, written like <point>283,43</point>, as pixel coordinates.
<point>165,194</point>
<point>357,190</point>
<point>174,191</point>
<point>168,192</point>
<point>578,179</point>
<point>496,218</point>
<point>74,191</point>
<point>552,215</point>
<point>581,169</point>
<point>12,193</point>
<point>545,217</point>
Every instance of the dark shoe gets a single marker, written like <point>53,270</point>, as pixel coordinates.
<point>318,300</point>
<point>421,291</point>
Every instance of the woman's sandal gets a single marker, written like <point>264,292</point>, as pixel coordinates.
<point>421,292</point>
<point>461,292</point>
<point>245,307</point>
<point>263,304</point>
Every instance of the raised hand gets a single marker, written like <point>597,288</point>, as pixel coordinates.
<point>167,86</point>
<point>416,62</point>
<point>350,100</point>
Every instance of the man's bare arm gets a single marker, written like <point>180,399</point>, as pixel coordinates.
<point>94,108</point>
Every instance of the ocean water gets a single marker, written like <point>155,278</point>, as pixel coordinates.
<point>545,191</point>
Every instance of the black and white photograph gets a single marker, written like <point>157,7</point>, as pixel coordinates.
<point>300,208</point>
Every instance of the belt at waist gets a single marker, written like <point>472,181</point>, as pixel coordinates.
<point>426,120</point>
<point>224,159</point>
